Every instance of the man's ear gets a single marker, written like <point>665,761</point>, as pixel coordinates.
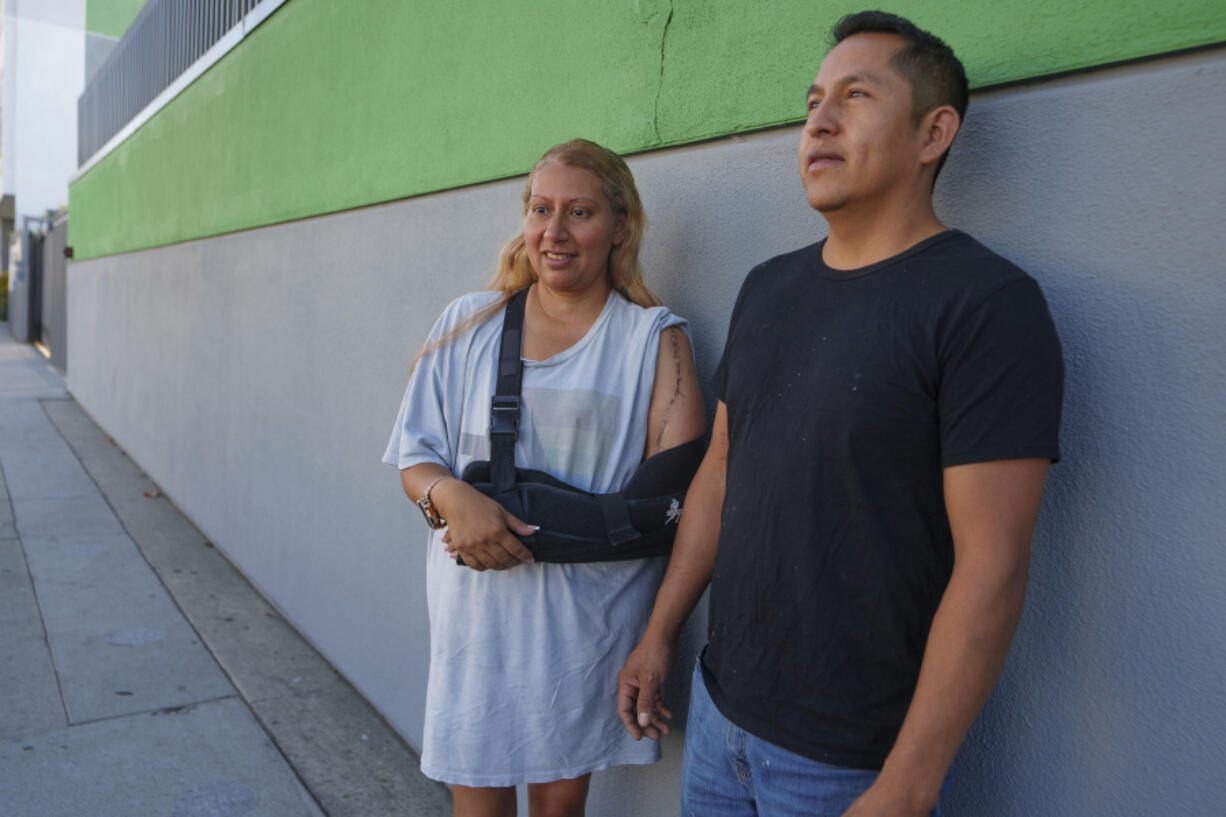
<point>937,130</point>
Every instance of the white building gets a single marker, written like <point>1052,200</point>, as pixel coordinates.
<point>43,64</point>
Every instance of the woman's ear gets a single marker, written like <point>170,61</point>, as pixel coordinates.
<point>619,232</point>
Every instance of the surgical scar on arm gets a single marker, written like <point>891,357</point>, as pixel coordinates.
<point>672,334</point>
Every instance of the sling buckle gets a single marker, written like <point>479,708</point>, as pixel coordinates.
<point>504,415</point>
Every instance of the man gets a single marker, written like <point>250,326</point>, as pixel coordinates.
<point>889,403</point>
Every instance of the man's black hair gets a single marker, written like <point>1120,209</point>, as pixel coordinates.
<point>928,65</point>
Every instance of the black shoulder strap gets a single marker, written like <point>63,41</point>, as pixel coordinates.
<point>504,408</point>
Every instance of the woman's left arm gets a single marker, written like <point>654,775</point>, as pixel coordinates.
<point>676,414</point>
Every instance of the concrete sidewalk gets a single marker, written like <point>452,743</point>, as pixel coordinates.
<point>139,673</point>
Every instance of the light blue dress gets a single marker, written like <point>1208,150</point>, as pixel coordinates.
<point>523,662</point>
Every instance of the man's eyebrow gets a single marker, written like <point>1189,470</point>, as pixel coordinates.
<point>867,77</point>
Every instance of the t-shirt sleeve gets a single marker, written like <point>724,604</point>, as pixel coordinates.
<point>719,380</point>
<point>1002,380</point>
<point>421,432</point>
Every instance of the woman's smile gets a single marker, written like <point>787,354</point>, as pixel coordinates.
<point>570,229</point>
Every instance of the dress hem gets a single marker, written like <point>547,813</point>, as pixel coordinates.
<point>500,781</point>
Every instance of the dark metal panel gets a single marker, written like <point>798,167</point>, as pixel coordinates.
<point>25,305</point>
<point>54,290</point>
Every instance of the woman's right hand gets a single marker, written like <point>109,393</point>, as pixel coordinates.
<point>479,530</point>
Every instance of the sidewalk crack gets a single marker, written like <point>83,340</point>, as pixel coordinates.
<point>38,602</point>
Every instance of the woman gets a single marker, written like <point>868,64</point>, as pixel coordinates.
<point>524,656</point>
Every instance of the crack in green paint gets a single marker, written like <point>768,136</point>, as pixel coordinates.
<point>655,120</point>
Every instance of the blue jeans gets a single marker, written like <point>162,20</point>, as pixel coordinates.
<point>727,772</point>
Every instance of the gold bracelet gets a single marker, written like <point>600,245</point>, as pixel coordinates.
<point>433,519</point>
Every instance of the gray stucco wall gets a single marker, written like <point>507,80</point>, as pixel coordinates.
<point>255,377</point>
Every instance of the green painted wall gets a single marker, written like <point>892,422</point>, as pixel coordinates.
<point>330,105</point>
<point>111,17</point>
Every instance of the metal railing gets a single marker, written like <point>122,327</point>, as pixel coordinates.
<point>166,37</point>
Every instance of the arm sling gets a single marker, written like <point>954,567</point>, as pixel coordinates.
<point>576,525</point>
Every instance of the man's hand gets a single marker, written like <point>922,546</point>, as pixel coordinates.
<point>880,800</point>
<point>638,690</point>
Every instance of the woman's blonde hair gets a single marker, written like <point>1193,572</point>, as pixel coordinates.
<point>625,274</point>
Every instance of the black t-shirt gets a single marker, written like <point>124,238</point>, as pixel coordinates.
<point>847,393</point>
